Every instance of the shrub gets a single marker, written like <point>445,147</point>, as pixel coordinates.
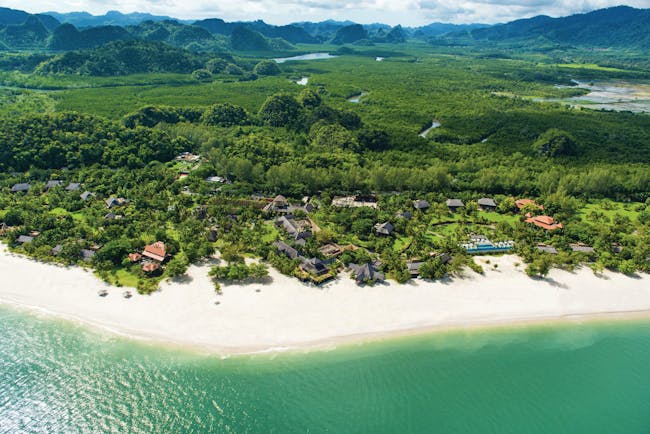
<point>267,67</point>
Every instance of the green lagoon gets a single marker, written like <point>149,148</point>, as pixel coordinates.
<point>580,378</point>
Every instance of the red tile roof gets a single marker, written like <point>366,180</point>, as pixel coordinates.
<point>155,251</point>
<point>150,267</point>
<point>135,257</point>
<point>545,222</point>
<point>520,203</point>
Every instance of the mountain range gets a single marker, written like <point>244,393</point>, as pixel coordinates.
<point>111,18</point>
<point>620,26</point>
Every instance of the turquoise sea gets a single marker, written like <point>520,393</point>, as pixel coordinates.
<point>581,378</point>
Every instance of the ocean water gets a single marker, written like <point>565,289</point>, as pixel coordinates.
<point>581,378</point>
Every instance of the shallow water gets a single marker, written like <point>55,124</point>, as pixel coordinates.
<point>433,126</point>
<point>356,99</point>
<point>618,96</point>
<point>311,56</point>
<point>590,378</point>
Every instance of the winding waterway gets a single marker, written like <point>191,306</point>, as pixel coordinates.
<point>356,99</point>
<point>434,125</point>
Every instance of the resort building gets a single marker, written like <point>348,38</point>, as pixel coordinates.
<point>445,258</point>
<point>547,249</point>
<point>421,205</point>
<point>20,188</point>
<point>366,273</point>
<point>313,269</point>
<point>115,201</point>
<point>200,212</point>
<point>414,268</point>
<point>521,203</point>
<point>150,267</point>
<point>455,204</point>
<point>135,257</point>
<point>582,248</point>
<point>297,229</point>
<point>53,184</point>
<point>545,222</point>
<point>355,201</point>
<point>384,228</point>
<point>73,186</point>
<point>330,250</point>
<point>213,233</point>
<point>25,239</point>
<point>278,204</point>
<point>155,251</point>
<point>406,215</point>
<point>487,204</point>
<point>314,266</point>
<point>286,249</point>
<point>87,254</point>
<point>188,157</point>
<point>86,195</point>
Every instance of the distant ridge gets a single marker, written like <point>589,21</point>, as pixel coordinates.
<point>435,29</point>
<point>620,26</point>
<point>291,33</point>
<point>111,18</point>
<point>10,17</point>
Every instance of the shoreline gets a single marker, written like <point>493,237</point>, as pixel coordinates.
<point>338,342</point>
<point>288,316</point>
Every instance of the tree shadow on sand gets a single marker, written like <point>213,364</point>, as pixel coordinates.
<point>552,282</point>
<point>184,279</point>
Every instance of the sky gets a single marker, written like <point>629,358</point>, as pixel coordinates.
<point>405,12</point>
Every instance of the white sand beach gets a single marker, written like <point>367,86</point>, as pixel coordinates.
<point>287,314</point>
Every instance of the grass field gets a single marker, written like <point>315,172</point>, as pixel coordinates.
<point>590,66</point>
<point>271,233</point>
<point>499,218</point>
<point>124,277</point>
<point>401,244</point>
<point>115,102</point>
<point>609,210</point>
<point>59,81</point>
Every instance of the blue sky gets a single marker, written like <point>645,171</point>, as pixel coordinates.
<point>405,12</point>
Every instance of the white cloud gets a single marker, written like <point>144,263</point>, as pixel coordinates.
<point>407,12</point>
